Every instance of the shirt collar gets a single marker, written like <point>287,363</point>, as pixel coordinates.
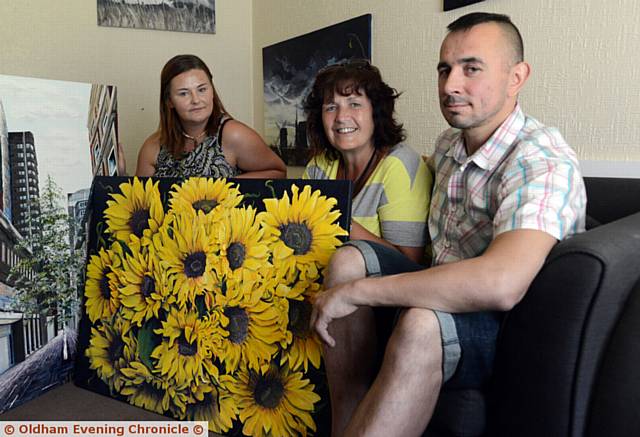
<point>491,152</point>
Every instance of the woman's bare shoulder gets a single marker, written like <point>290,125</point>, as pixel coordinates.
<point>148,155</point>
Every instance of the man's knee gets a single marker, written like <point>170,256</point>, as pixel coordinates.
<point>416,336</point>
<point>346,264</point>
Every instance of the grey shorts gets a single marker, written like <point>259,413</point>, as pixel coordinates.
<point>468,339</point>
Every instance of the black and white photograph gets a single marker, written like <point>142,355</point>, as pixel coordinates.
<point>197,16</point>
<point>289,68</point>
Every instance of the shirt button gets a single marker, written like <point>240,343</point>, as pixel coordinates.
<point>447,244</point>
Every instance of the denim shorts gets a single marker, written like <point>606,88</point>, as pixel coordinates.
<point>468,339</point>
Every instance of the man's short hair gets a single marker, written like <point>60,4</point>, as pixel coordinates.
<point>512,33</point>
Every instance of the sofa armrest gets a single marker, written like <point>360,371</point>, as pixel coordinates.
<point>552,342</point>
<point>616,394</point>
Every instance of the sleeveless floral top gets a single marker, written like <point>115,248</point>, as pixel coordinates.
<point>206,160</point>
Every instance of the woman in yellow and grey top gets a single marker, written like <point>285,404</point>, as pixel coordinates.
<point>353,135</point>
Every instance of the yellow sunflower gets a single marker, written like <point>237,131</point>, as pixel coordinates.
<point>274,402</point>
<point>243,252</point>
<point>214,405</point>
<point>204,195</point>
<point>187,347</point>
<point>250,328</point>
<point>302,230</point>
<point>101,286</point>
<point>304,347</point>
<point>187,251</point>
<point>135,214</point>
<point>111,348</point>
<point>146,390</point>
<point>145,286</point>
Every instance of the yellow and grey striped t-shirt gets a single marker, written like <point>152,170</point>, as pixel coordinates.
<point>394,202</point>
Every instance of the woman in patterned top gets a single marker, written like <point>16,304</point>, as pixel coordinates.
<point>196,136</point>
<point>354,135</point>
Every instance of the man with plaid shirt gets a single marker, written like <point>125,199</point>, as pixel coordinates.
<point>507,189</point>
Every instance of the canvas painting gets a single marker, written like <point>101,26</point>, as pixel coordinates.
<point>198,297</point>
<point>198,16</point>
<point>455,4</point>
<point>54,136</point>
<point>289,68</point>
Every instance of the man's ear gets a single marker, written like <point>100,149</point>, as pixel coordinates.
<point>518,77</point>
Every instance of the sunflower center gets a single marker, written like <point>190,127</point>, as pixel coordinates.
<point>148,286</point>
<point>105,290</point>
<point>299,317</point>
<point>297,236</point>
<point>151,392</point>
<point>210,401</point>
<point>235,255</point>
<point>139,221</point>
<point>238,324</point>
<point>194,264</point>
<point>185,348</point>
<point>268,391</point>
<point>115,349</point>
<point>205,205</point>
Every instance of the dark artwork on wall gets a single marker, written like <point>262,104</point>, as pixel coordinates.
<point>289,68</point>
<point>455,4</point>
<point>197,299</point>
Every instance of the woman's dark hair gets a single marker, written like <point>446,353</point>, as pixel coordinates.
<point>359,77</point>
<point>170,127</point>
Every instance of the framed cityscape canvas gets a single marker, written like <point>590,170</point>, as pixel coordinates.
<point>54,136</point>
<point>197,16</point>
<point>455,4</point>
<point>289,68</point>
<point>198,297</point>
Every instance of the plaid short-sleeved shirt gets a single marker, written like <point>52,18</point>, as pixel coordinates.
<point>524,177</point>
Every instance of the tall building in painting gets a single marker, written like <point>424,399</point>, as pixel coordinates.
<point>25,192</point>
<point>5,174</point>
<point>103,130</point>
<point>77,207</point>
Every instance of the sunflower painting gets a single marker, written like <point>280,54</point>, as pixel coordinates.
<point>198,295</point>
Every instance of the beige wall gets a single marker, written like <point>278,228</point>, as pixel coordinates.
<point>61,40</point>
<point>585,80</point>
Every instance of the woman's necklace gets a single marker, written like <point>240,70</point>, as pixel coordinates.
<point>195,139</point>
<point>359,182</point>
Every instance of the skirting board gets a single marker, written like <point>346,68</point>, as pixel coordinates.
<point>611,169</point>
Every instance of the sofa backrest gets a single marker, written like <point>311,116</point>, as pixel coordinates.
<point>610,199</point>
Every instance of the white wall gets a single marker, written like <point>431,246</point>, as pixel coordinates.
<point>61,40</point>
<point>583,52</point>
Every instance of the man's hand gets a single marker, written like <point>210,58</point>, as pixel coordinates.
<point>329,305</point>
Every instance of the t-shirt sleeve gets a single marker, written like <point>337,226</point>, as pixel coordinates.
<point>316,168</point>
<point>542,193</point>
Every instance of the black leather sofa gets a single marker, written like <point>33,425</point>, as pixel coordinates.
<point>568,357</point>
